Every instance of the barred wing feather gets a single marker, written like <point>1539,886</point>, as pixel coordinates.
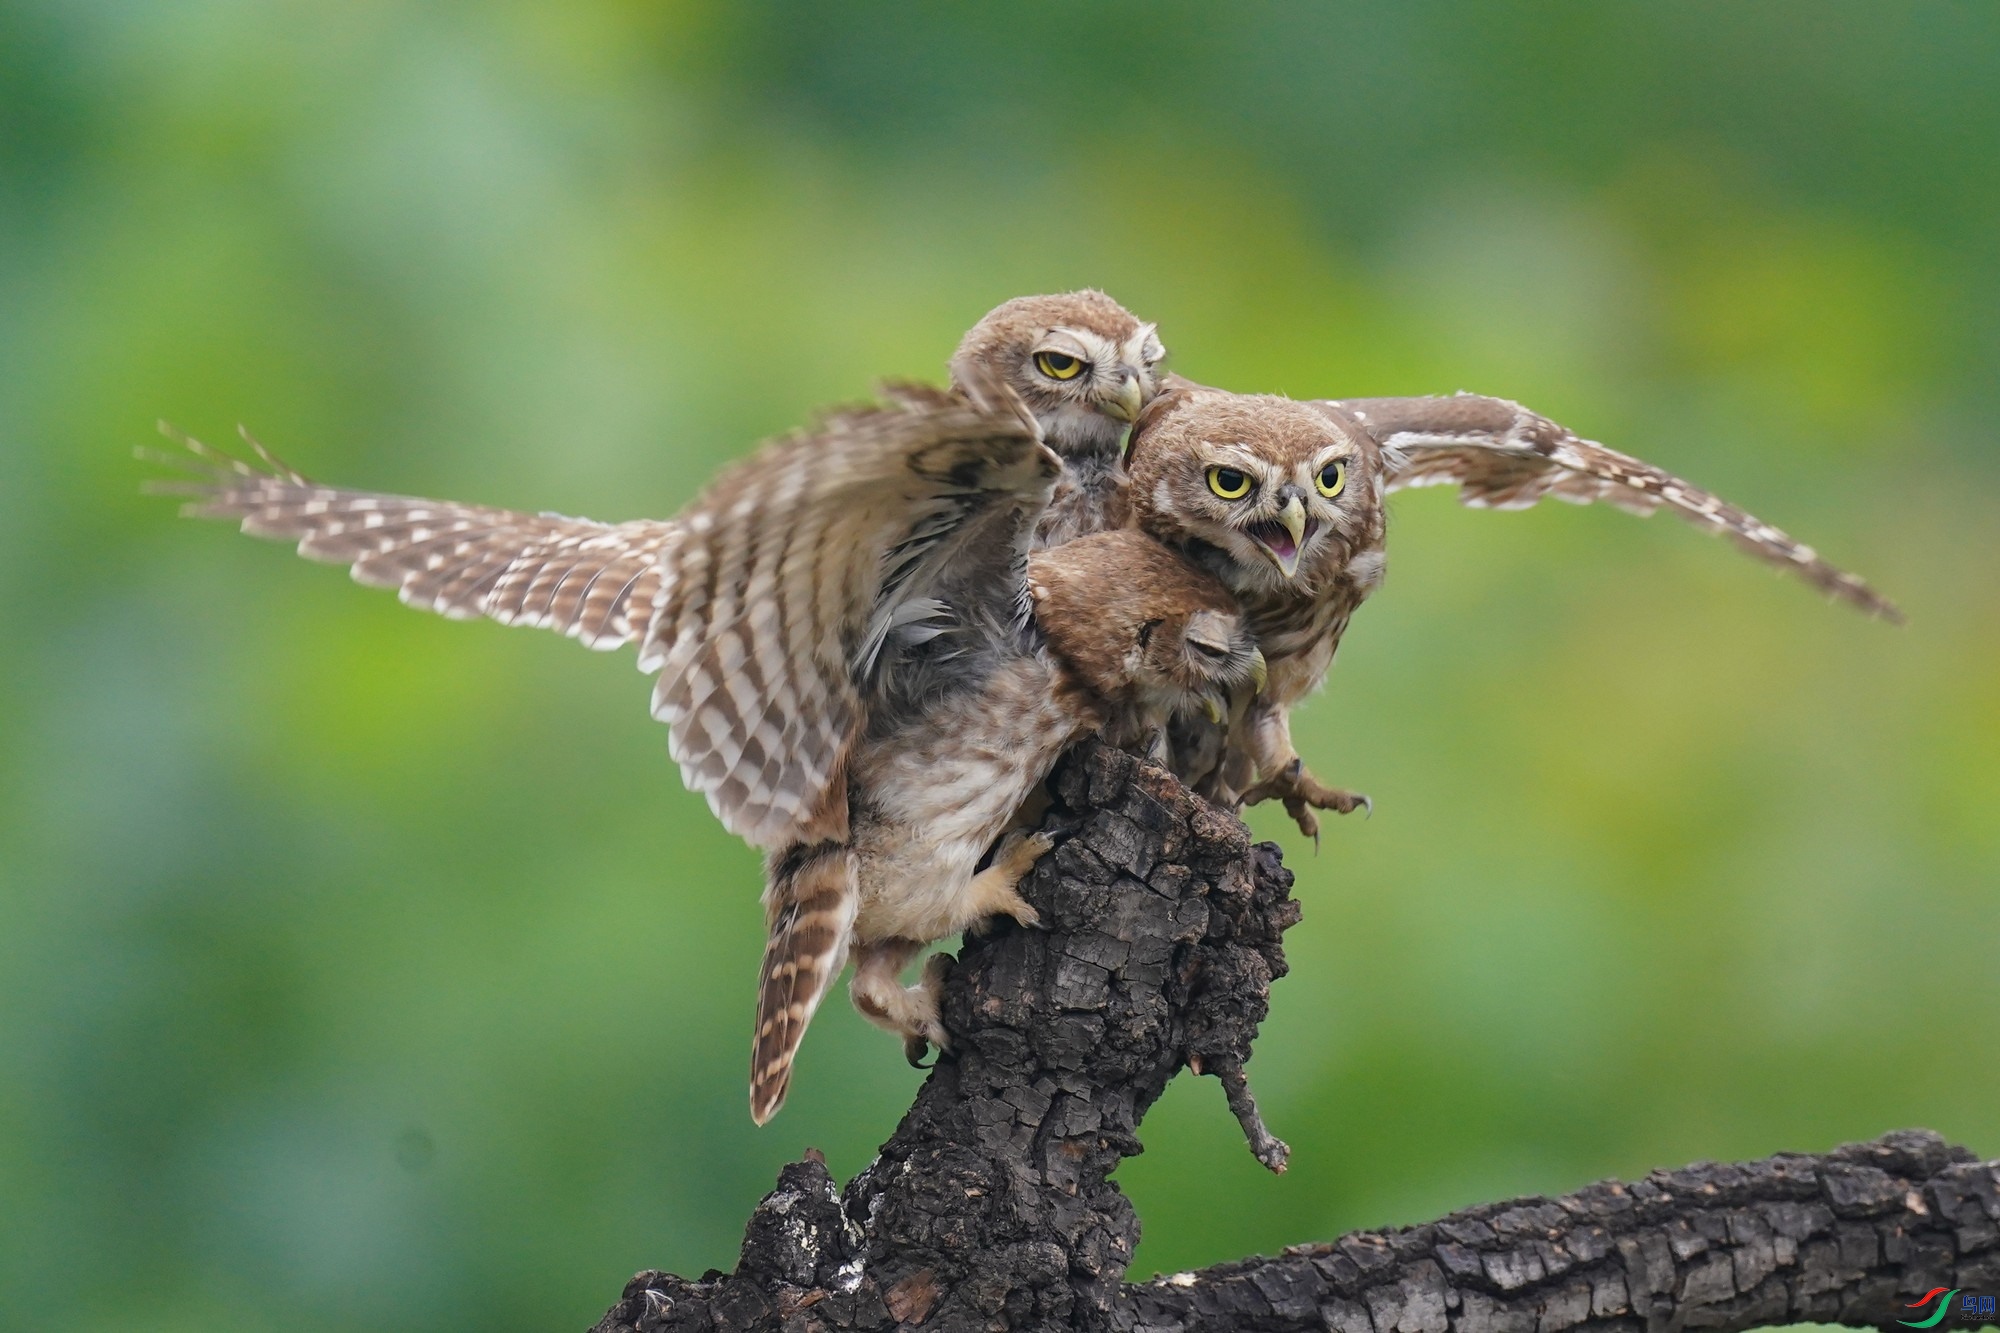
<point>1502,456</point>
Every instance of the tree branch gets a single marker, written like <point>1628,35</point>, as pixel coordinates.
<point>991,1207</point>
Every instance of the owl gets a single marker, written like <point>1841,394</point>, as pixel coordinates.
<point>860,667</point>
<point>1084,366</point>
<point>1283,502</point>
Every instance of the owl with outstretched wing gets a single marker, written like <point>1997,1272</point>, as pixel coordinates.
<point>1283,502</point>
<point>862,668</point>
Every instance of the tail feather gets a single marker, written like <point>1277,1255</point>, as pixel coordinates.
<point>813,896</point>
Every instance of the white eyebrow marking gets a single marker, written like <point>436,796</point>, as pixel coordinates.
<point>1218,451</point>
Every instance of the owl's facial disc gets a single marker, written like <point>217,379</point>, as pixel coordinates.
<point>1221,657</point>
<point>1081,369</point>
<point>1080,361</point>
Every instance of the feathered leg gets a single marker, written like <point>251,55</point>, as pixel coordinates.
<point>812,898</point>
<point>911,1012</point>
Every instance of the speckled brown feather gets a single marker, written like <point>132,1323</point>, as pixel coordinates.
<point>885,545</point>
<point>755,606</point>
<point>1095,632</point>
<point>1083,420</point>
<point>594,582</point>
<point>1499,453</point>
<point>812,900</point>
<point>1502,456</point>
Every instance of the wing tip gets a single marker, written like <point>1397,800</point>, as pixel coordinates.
<point>1865,599</point>
<point>767,1102</point>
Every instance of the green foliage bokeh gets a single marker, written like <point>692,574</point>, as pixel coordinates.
<point>366,969</point>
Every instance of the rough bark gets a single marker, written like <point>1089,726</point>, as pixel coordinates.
<point>991,1206</point>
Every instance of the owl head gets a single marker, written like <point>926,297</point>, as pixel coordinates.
<point>1275,496</point>
<point>1140,626</point>
<point>1082,363</point>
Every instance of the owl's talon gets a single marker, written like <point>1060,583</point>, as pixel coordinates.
<point>1302,815</point>
<point>1019,851</point>
<point>930,984</point>
<point>932,1037</point>
<point>993,891</point>
<point>1301,793</point>
<point>937,969</point>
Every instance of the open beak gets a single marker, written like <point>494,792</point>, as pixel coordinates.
<point>1281,538</point>
<point>1125,404</point>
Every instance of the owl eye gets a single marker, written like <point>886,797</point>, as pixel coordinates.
<point>1228,483</point>
<point>1058,365</point>
<point>1331,479</point>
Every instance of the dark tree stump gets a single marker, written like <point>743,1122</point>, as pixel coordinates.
<point>991,1207</point>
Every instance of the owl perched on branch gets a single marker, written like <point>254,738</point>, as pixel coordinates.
<point>1283,501</point>
<point>861,668</point>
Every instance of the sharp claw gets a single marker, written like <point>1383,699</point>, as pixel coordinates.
<point>1303,816</point>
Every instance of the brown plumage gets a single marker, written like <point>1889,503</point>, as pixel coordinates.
<point>1238,483</point>
<point>1119,605</point>
<point>840,626</point>
<point>1246,486</point>
<point>1084,366</point>
<point>1502,456</point>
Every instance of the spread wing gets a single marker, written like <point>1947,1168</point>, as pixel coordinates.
<point>1502,456</point>
<point>809,569</point>
<point>592,581</point>
<point>768,607</point>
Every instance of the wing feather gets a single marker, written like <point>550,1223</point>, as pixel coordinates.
<point>813,552</point>
<point>768,608</point>
<point>459,560</point>
<point>1502,456</point>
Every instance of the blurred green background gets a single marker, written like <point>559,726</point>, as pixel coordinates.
<point>374,971</point>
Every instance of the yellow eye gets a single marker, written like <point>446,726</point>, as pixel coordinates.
<point>1331,478</point>
<point>1228,483</point>
<point>1058,365</point>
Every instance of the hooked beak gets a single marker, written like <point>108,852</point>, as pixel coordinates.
<point>1259,674</point>
<point>1282,538</point>
<point>1125,404</point>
